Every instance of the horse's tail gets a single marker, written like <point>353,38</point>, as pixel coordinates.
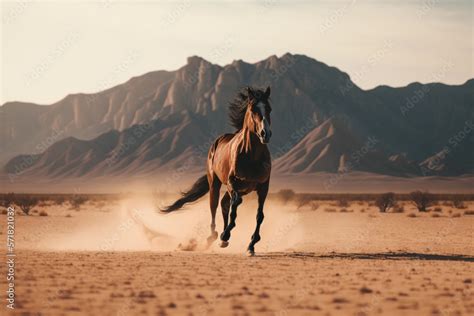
<point>198,190</point>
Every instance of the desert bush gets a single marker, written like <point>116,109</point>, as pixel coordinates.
<point>343,202</point>
<point>60,200</point>
<point>313,205</point>
<point>7,199</point>
<point>437,209</point>
<point>362,210</point>
<point>43,213</point>
<point>4,212</point>
<point>330,210</point>
<point>469,212</point>
<point>302,201</point>
<point>411,215</point>
<point>458,203</point>
<point>398,208</point>
<point>422,200</point>
<point>345,210</point>
<point>385,201</point>
<point>285,195</point>
<point>76,202</point>
<point>456,215</point>
<point>26,203</point>
<point>435,215</point>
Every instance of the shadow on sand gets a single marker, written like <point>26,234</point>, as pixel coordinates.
<point>373,256</point>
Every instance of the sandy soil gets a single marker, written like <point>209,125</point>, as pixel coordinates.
<point>122,259</point>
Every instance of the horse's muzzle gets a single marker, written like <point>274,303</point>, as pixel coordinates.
<point>265,136</point>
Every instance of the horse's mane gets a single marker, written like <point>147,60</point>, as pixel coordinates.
<point>238,106</point>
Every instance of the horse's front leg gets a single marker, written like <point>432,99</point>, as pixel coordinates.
<point>235,201</point>
<point>262,191</point>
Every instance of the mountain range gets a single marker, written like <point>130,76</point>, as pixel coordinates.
<point>321,122</point>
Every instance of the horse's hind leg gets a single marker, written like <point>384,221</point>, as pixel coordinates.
<point>214,190</point>
<point>262,191</point>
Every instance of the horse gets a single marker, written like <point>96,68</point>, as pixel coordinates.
<point>241,161</point>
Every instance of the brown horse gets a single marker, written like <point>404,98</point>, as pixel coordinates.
<point>241,161</point>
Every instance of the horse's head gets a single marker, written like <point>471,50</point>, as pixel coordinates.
<point>258,114</point>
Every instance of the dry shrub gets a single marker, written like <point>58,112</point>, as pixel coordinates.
<point>385,201</point>
<point>437,209</point>
<point>285,195</point>
<point>411,215</point>
<point>422,200</point>
<point>59,200</point>
<point>398,208</point>
<point>342,202</point>
<point>7,199</point>
<point>362,210</point>
<point>458,203</point>
<point>345,210</point>
<point>26,203</point>
<point>43,213</point>
<point>77,201</point>
<point>330,210</point>
<point>68,215</point>
<point>469,212</point>
<point>4,212</point>
<point>435,215</point>
<point>456,215</point>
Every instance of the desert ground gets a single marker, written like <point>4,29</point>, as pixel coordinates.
<point>120,257</point>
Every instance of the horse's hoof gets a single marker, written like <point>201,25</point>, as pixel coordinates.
<point>250,253</point>
<point>211,238</point>
<point>224,244</point>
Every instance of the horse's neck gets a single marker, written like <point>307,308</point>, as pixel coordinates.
<point>249,143</point>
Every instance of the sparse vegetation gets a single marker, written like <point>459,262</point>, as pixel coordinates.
<point>385,201</point>
<point>330,210</point>
<point>43,213</point>
<point>398,208</point>
<point>422,200</point>
<point>286,195</point>
<point>7,199</point>
<point>411,215</point>
<point>458,202</point>
<point>469,212</point>
<point>437,209</point>
<point>26,203</point>
<point>343,202</point>
<point>77,201</point>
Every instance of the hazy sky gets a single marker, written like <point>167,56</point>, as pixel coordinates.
<point>51,49</point>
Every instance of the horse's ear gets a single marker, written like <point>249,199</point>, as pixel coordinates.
<point>266,95</point>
